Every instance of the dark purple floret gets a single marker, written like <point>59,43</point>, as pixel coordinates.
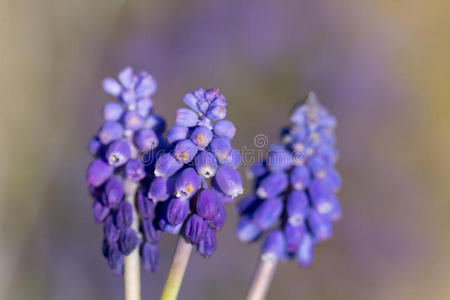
<point>114,191</point>
<point>150,233</point>
<point>98,172</point>
<point>134,170</point>
<point>161,188</point>
<point>124,215</point>
<point>207,204</point>
<point>207,245</point>
<point>128,240</point>
<point>187,183</point>
<point>110,230</point>
<point>295,188</point>
<point>196,229</point>
<point>177,211</point>
<point>146,207</point>
<point>229,181</point>
<point>150,257</point>
<point>100,212</point>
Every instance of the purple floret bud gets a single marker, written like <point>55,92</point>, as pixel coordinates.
<point>208,244</point>
<point>167,227</point>
<point>110,131</point>
<point>126,77</point>
<point>110,230</point>
<point>221,148</point>
<point>146,85</point>
<point>144,106</point>
<point>133,120</point>
<point>151,234</point>
<point>268,212</point>
<point>100,212</point>
<point>146,139</point>
<point>177,211</point>
<point>150,257</point>
<point>321,195</point>
<point>112,87</point>
<point>317,166</point>
<point>177,133</point>
<point>278,158</point>
<point>233,160</point>
<point>219,219</point>
<point>95,146</point>
<point>305,254</point>
<point>202,136</point>
<point>145,206</point>
<point>224,129</point>
<point>206,164</point>
<point>124,215</point>
<point>297,207</point>
<point>293,236</point>
<point>207,204</point>
<point>185,151</point>
<point>134,170</point>
<point>186,117</point>
<point>216,112</point>
<point>161,188</point>
<point>274,246</point>
<point>112,111</point>
<point>167,165</point>
<point>246,230</point>
<point>98,172</point>
<point>187,183</point>
<point>272,185</point>
<point>229,181</point>
<point>114,256</point>
<point>320,226</point>
<point>114,191</point>
<point>300,177</point>
<point>118,153</point>
<point>128,241</point>
<point>190,100</point>
<point>195,229</point>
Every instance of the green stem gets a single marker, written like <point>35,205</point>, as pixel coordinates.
<point>262,278</point>
<point>176,272</point>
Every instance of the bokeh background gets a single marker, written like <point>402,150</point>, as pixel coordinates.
<point>381,66</point>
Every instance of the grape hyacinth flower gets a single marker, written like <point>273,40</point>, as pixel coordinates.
<point>117,176</point>
<point>196,178</point>
<point>294,201</point>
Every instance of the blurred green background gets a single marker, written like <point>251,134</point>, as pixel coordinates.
<point>381,66</point>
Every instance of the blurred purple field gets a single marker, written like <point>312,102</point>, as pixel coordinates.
<point>381,67</point>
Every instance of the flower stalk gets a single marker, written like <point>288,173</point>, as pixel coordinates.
<point>177,270</point>
<point>262,278</point>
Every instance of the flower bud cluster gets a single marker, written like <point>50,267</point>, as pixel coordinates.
<point>294,199</point>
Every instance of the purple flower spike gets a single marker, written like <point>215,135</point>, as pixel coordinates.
<point>268,212</point>
<point>305,254</point>
<point>177,133</point>
<point>224,129</point>
<point>187,183</point>
<point>202,136</point>
<point>110,230</point>
<point>146,139</point>
<point>98,172</point>
<point>150,233</point>
<point>206,164</point>
<point>207,245</point>
<point>134,170</point>
<point>177,211</point>
<point>124,215</point>
<point>185,151</point>
<point>274,246</point>
<point>295,187</point>
<point>272,185</point>
<point>118,153</point>
<point>112,111</point>
<point>146,207</point>
<point>100,212</point>
<point>110,131</point>
<point>293,236</point>
<point>297,207</point>
<point>150,257</point>
<point>300,177</point>
<point>207,204</point>
<point>114,191</point>
<point>167,165</point>
<point>229,181</point>
<point>196,229</point>
<point>221,148</point>
<point>161,188</point>
<point>186,117</point>
<point>128,241</point>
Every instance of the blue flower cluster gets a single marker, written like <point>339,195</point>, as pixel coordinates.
<point>117,175</point>
<point>197,176</point>
<point>295,188</point>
